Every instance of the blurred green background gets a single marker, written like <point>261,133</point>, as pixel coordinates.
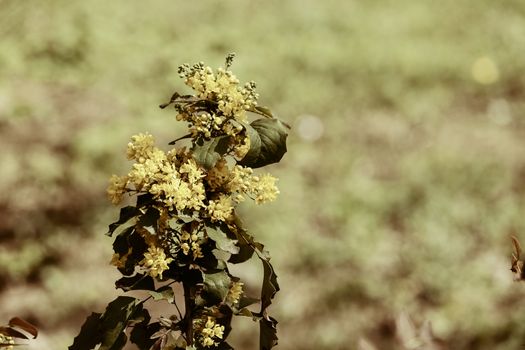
<point>404,180</point>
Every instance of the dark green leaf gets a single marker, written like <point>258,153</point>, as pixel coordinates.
<point>272,134</point>
<point>269,286</point>
<point>264,111</point>
<point>216,286</point>
<point>224,346</point>
<point>268,333</point>
<point>222,241</point>
<point>134,241</point>
<point>245,242</point>
<point>144,200</point>
<point>207,152</point>
<point>247,245</point>
<point>115,320</point>
<point>255,145</point>
<point>246,301</point>
<point>163,293</point>
<point>90,334</point>
<point>148,220</point>
<point>245,253</point>
<point>121,243</point>
<point>137,282</point>
<point>221,255</point>
<point>141,334</point>
<point>245,312</point>
<point>126,214</point>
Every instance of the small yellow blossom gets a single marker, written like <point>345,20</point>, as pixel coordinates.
<point>211,330</point>
<point>242,149</point>
<point>220,209</point>
<point>193,171</point>
<point>222,87</point>
<point>6,342</point>
<point>185,248</point>
<point>265,189</point>
<point>241,179</point>
<point>190,243</point>
<point>155,261</point>
<point>117,188</point>
<point>140,147</point>
<point>235,292</point>
<point>196,249</point>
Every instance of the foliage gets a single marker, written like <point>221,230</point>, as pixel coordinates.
<point>183,229</point>
<point>418,173</point>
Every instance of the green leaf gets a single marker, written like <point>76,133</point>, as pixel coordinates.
<point>130,239</point>
<point>90,334</point>
<point>121,243</point>
<point>137,282</point>
<point>268,333</point>
<point>216,286</point>
<point>269,287</point>
<point>148,220</point>
<point>115,320</point>
<point>224,346</point>
<point>144,200</point>
<point>126,214</point>
<point>246,313</point>
<point>255,145</point>
<point>264,111</point>
<point>142,332</point>
<point>272,134</point>
<point>163,293</point>
<point>222,241</point>
<point>246,242</point>
<point>207,152</point>
<point>246,301</point>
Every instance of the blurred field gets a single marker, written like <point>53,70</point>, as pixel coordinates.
<point>404,180</point>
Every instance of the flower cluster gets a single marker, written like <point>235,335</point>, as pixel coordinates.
<point>227,100</point>
<point>6,342</point>
<point>173,178</point>
<point>211,332</point>
<point>178,183</point>
<point>235,292</point>
<point>155,261</point>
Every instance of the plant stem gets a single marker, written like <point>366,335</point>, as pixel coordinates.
<point>188,312</point>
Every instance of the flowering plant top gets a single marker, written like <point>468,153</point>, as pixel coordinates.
<point>184,230</point>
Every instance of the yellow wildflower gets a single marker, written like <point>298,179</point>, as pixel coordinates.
<point>240,179</point>
<point>192,169</point>
<point>242,149</point>
<point>140,147</point>
<point>235,292</point>
<point>211,330</point>
<point>185,248</point>
<point>6,340</point>
<point>220,209</point>
<point>117,188</point>
<point>155,261</point>
<point>265,189</point>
